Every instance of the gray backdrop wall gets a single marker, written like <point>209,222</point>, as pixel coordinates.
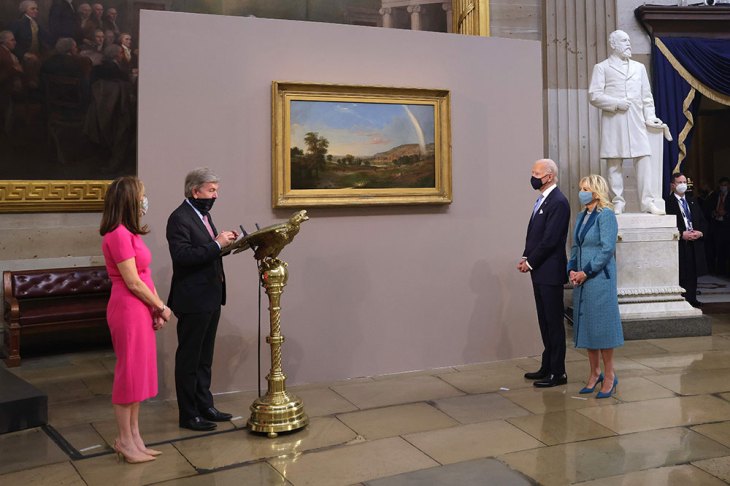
<point>371,290</point>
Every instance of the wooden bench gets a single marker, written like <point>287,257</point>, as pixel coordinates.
<point>49,303</point>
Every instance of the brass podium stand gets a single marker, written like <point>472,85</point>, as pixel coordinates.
<point>278,410</point>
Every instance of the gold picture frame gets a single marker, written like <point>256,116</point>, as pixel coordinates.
<point>360,145</point>
<point>30,196</point>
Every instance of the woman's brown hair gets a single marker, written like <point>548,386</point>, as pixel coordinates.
<point>122,206</point>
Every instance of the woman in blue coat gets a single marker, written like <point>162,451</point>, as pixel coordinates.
<point>592,271</point>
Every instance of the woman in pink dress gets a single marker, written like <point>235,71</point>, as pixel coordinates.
<point>134,313</point>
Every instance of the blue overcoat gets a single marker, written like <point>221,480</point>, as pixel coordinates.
<point>596,319</point>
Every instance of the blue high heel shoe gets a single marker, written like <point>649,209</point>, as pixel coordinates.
<point>585,389</point>
<point>611,391</point>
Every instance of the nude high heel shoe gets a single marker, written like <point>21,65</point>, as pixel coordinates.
<point>131,459</point>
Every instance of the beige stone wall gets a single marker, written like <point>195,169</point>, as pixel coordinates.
<point>516,19</point>
<point>576,33</point>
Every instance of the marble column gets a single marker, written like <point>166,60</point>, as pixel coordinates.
<point>576,38</point>
<point>415,11</point>
<point>387,14</point>
<point>447,7</point>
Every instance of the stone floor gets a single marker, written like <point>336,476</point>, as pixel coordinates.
<point>669,424</point>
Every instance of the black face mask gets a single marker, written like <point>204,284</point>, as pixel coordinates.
<point>202,205</point>
<point>536,183</point>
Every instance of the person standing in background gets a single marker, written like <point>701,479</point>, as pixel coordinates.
<point>134,312</point>
<point>544,258</point>
<point>691,226</point>
<point>718,212</point>
<point>197,292</point>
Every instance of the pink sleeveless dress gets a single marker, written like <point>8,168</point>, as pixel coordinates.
<point>130,320</point>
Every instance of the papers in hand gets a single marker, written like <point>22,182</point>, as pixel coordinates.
<point>238,245</point>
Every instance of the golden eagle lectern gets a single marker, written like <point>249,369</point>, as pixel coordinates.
<point>278,410</point>
<point>268,242</point>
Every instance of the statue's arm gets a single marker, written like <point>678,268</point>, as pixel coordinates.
<point>596,91</point>
<point>647,100</point>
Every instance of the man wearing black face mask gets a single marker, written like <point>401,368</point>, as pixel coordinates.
<point>544,257</point>
<point>197,292</point>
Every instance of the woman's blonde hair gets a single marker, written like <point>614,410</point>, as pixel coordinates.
<point>597,185</point>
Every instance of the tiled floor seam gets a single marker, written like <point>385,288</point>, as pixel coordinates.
<point>343,397</point>
<point>706,471</point>
<point>531,480</point>
<point>61,442</point>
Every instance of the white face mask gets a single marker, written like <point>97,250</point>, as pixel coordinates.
<point>681,188</point>
<point>144,205</point>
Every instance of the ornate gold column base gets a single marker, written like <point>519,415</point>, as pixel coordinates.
<point>277,411</point>
<point>272,414</point>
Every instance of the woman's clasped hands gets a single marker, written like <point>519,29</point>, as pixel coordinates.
<point>577,278</point>
<point>160,317</point>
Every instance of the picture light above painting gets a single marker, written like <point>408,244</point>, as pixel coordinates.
<point>339,145</point>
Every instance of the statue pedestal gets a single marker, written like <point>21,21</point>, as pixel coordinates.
<point>649,295</point>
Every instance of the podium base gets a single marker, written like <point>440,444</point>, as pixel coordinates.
<point>281,412</point>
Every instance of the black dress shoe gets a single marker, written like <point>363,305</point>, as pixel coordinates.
<point>552,380</point>
<point>537,375</point>
<point>197,423</point>
<point>215,415</point>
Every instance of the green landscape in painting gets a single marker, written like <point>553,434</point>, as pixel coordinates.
<point>338,145</point>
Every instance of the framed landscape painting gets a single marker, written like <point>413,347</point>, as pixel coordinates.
<point>338,145</point>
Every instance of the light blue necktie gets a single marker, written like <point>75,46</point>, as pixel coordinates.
<point>537,205</point>
<point>687,214</point>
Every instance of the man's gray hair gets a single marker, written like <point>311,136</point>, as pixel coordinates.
<point>64,45</point>
<point>26,4</point>
<point>612,36</point>
<point>112,51</point>
<point>4,36</point>
<point>197,177</point>
<point>550,166</point>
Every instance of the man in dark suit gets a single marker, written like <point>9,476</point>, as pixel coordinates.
<point>32,42</point>
<point>691,225</point>
<point>66,62</point>
<point>32,39</point>
<point>544,257</point>
<point>197,292</point>
<point>11,79</point>
<point>717,210</point>
<point>63,20</point>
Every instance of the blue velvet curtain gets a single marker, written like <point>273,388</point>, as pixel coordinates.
<point>686,63</point>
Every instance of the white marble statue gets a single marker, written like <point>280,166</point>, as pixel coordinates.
<point>620,89</point>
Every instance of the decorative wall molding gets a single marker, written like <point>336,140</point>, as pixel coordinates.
<point>20,196</point>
